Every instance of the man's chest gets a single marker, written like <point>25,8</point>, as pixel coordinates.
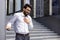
<point>21,18</point>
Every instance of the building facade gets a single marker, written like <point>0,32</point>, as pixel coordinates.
<point>40,7</point>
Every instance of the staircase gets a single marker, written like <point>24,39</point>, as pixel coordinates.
<point>39,32</point>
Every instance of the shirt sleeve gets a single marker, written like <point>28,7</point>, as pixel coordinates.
<point>11,21</point>
<point>30,24</point>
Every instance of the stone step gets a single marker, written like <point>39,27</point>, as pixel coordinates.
<point>13,36</point>
<point>35,29</point>
<point>46,34</point>
<point>38,38</point>
<point>38,34</point>
<point>45,37</point>
<point>38,26</point>
<point>34,33</point>
<point>41,29</point>
<point>8,33</point>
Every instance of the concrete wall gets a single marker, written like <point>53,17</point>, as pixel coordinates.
<point>2,19</point>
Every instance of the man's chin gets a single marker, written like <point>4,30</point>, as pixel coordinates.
<point>25,14</point>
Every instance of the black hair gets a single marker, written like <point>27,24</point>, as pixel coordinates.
<point>27,5</point>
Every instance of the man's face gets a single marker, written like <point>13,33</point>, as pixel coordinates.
<point>27,11</point>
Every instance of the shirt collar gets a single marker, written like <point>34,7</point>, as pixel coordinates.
<point>23,14</point>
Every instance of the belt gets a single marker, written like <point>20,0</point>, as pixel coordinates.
<point>22,34</point>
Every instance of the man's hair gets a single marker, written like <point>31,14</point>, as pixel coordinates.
<point>27,5</point>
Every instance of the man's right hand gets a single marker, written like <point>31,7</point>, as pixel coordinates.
<point>8,27</point>
<point>26,20</point>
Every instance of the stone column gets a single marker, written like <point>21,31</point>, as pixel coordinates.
<point>50,7</point>
<point>34,9</point>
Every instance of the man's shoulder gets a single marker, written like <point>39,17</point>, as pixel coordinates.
<point>18,14</point>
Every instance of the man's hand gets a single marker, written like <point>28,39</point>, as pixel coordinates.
<point>8,27</point>
<point>26,20</point>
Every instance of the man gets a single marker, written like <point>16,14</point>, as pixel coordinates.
<point>22,23</point>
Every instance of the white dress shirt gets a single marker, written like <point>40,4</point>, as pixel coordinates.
<point>19,25</point>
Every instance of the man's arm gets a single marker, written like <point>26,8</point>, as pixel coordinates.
<point>9,24</point>
<point>30,24</point>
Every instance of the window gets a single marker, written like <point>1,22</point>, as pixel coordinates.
<point>14,6</point>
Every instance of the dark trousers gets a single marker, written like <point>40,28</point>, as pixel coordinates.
<point>22,37</point>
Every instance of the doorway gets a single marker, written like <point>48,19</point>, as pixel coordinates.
<point>39,8</point>
<point>46,7</point>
